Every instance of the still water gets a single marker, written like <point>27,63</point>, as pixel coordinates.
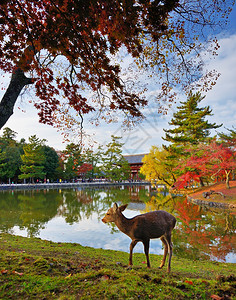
<point>74,215</point>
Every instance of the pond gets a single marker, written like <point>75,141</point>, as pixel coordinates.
<point>74,215</point>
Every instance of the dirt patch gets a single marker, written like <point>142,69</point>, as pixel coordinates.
<point>224,197</point>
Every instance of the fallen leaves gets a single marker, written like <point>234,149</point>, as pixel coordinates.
<point>216,297</point>
<point>17,273</point>
<point>189,282</point>
<point>4,272</point>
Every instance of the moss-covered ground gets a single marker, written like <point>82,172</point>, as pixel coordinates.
<point>31,268</point>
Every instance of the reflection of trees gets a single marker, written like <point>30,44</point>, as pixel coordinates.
<point>200,232</point>
<point>29,210</point>
<point>80,204</point>
<point>203,232</point>
<point>32,209</point>
<point>159,202</point>
<point>138,193</point>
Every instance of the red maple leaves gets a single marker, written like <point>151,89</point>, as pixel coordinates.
<point>212,160</point>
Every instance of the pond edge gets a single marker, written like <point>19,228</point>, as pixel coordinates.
<point>27,186</point>
<point>211,203</point>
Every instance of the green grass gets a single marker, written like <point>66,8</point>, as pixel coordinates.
<point>37,269</point>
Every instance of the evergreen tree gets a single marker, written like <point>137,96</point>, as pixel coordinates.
<point>10,160</point>
<point>228,139</point>
<point>93,158</point>
<point>115,166</point>
<point>190,125</point>
<point>51,162</point>
<point>33,160</point>
<point>8,134</point>
<point>190,129</point>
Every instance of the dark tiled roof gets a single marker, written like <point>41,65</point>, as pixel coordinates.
<point>134,159</point>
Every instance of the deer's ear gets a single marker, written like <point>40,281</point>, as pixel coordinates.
<point>123,207</point>
<point>115,207</point>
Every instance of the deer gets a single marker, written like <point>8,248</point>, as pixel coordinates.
<point>142,228</point>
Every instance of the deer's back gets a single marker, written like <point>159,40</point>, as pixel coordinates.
<point>152,224</point>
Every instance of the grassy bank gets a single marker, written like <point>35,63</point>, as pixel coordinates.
<point>36,269</point>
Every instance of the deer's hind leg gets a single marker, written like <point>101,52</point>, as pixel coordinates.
<point>165,251</point>
<point>169,243</point>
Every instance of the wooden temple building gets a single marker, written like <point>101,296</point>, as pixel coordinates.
<point>135,162</point>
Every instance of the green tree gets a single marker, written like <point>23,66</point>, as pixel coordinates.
<point>9,134</point>
<point>11,164</point>
<point>33,160</point>
<point>8,138</point>
<point>115,166</point>
<point>51,162</point>
<point>95,159</point>
<point>73,159</point>
<point>190,124</point>
<point>3,164</point>
<point>60,170</point>
<point>190,128</point>
<point>10,160</point>
<point>229,138</point>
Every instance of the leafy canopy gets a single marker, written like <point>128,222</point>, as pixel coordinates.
<point>155,168</point>
<point>67,47</point>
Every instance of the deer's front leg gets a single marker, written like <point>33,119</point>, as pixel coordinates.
<point>146,251</point>
<point>132,245</point>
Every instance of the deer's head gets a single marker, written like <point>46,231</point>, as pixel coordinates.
<point>113,213</point>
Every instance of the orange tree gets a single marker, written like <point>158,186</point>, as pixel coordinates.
<point>64,47</point>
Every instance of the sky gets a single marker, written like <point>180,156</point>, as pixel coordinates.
<point>221,99</point>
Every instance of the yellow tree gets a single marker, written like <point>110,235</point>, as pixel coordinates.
<point>155,168</point>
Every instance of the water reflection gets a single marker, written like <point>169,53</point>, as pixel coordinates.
<point>74,215</point>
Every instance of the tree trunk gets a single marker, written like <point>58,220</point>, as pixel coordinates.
<point>17,83</point>
<point>201,182</point>
<point>227,179</point>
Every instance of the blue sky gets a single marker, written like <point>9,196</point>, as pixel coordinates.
<point>222,100</point>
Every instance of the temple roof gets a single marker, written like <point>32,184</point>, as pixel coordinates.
<point>134,159</point>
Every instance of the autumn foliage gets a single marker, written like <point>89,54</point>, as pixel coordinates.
<point>68,50</point>
<point>84,168</point>
<point>213,161</point>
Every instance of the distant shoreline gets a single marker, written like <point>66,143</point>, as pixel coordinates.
<point>37,186</point>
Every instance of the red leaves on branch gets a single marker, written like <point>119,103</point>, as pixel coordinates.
<point>187,178</point>
<point>212,160</point>
<point>77,41</point>
<point>84,168</point>
<point>73,40</point>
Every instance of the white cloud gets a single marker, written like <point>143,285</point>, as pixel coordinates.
<point>222,98</point>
